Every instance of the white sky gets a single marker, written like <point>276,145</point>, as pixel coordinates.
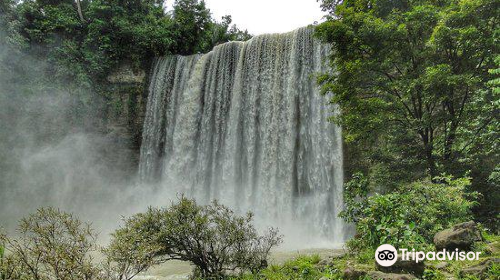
<point>267,16</point>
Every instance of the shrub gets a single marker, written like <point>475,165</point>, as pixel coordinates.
<point>56,245</point>
<point>211,237</point>
<point>409,216</point>
<point>355,197</point>
<point>303,267</point>
<point>51,245</point>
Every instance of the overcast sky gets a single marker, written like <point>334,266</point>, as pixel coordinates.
<point>267,16</point>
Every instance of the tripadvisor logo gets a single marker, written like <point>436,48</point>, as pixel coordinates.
<point>386,255</point>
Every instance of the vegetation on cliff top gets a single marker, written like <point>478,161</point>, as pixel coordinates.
<point>83,40</point>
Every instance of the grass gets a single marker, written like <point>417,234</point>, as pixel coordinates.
<point>309,267</point>
<point>303,267</point>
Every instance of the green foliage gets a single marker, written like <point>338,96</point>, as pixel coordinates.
<point>361,261</point>
<point>191,19</point>
<point>416,83</point>
<point>224,32</point>
<point>196,32</point>
<point>495,72</point>
<point>303,267</point>
<point>109,32</point>
<point>432,274</point>
<point>55,245</point>
<point>494,271</point>
<point>481,247</point>
<point>212,238</point>
<point>365,256</point>
<point>52,245</point>
<point>409,216</point>
<point>355,198</point>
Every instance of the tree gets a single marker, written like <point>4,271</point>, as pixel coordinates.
<point>211,237</point>
<point>90,38</point>
<point>52,245</point>
<point>412,73</point>
<point>6,8</point>
<point>224,32</point>
<point>191,21</point>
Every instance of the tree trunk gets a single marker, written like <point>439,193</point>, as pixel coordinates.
<point>431,164</point>
<point>449,141</point>
<point>79,8</point>
<point>428,144</point>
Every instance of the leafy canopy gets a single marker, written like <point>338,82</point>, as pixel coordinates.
<point>91,37</point>
<point>51,245</point>
<point>211,237</point>
<point>417,85</point>
<point>413,72</point>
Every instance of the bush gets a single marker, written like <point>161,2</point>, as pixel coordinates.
<point>408,217</point>
<point>56,245</point>
<point>211,237</point>
<point>51,245</point>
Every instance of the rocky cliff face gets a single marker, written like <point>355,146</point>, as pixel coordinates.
<point>125,73</point>
<point>126,97</point>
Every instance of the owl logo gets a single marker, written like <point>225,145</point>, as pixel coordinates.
<point>386,255</point>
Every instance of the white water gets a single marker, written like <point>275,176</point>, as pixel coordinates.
<point>246,124</point>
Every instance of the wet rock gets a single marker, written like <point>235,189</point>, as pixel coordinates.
<point>460,236</point>
<point>123,112</point>
<point>403,266</point>
<point>126,73</point>
<point>324,262</point>
<point>338,255</point>
<point>479,270</point>
<point>353,274</point>
<point>449,276</point>
<point>330,260</point>
<point>389,276</point>
<point>439,266</point>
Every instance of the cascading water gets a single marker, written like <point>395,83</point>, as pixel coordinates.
<point>245,124</point>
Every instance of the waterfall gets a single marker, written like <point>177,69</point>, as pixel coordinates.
<point>245,124</point>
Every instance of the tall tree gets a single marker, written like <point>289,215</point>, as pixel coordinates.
<point>192,19</point>
<point>414,72</point>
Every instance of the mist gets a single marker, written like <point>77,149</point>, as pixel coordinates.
<point>55,150</point>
